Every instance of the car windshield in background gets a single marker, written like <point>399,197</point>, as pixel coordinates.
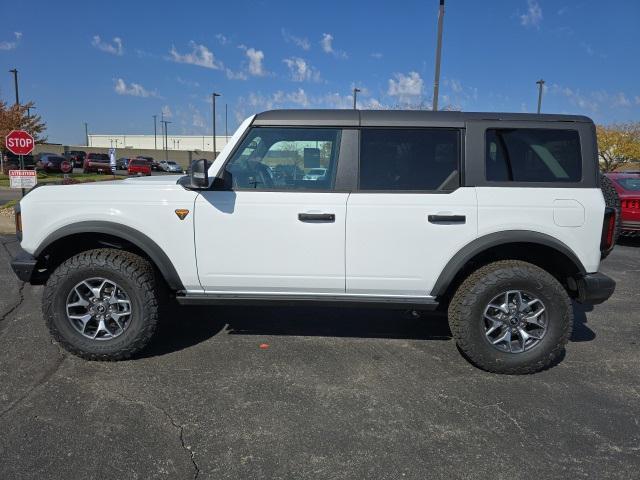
<point>98,157</point>
<point>630,183</point>
<point>172,163</point>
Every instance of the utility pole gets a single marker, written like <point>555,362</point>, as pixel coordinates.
<point>355,95</point>
<point>436,80</point>
<point>86,134</point>
<point>155,132</point>
<point>29,111</point>
<point>540,84</point>
<point>166,139</point>
<point>15,82</point>
<point>213,102</point>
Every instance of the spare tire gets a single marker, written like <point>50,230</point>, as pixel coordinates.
<point>611,199</point>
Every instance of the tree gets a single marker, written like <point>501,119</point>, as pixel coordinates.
<point>618,144</point>
<point>16,118</point>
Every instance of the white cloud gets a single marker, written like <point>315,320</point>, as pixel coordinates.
<point>456,86</point>
<point>327,46</point>
<point>595,101</point>
<point>10,45</point>
<point>187,83</point>
<point>200,55</point>
<point>301,42</point>
<point>231,75</point>
<point>222,39</point>
<point>376,55</point>
<point>620,100</point>
<point>166,111</point>
<point>406,87</point>
<point>256,57</point>
<point>637,99</point>
<point>301,70</point>
<point>114,48</point>
<point>133,89</point>
<point>533,17</point>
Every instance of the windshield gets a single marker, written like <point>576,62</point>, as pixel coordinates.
<point>630,183</point>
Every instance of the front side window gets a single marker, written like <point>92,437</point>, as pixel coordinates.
<point>533,155</point>
<point>419,159</point>
<point>286,159</point>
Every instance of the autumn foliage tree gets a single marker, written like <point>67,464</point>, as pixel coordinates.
<point>618,144</point>
<point>16,117</point>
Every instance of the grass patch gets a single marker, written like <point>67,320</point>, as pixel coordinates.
<point>9,205</point>
<point>72,178</point>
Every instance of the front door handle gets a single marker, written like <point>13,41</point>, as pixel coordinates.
<point>317,217</point>
<point>447,219</point>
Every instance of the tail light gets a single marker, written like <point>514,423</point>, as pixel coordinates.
<point>608,229</point>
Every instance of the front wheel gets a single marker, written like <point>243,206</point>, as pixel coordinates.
<point>102,304</point>
<point>511,317</point>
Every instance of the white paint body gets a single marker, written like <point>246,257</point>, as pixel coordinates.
<point>381,244</point>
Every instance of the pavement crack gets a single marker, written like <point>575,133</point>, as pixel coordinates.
<point>176,425</point>
<point>45,378</point>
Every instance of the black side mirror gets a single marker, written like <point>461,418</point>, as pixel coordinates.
<point>224,181</point>
<point>200,174</point>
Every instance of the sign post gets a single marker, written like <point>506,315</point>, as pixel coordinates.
<point>20,143</point>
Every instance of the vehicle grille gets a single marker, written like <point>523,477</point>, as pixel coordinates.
<point>631,203</point>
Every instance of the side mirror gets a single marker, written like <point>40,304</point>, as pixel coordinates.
<point>224,181</point>
<point>200,174</point>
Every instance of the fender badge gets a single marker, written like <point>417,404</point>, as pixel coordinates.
<point>182,213</point>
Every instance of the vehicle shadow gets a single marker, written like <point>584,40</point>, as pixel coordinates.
<point>581,332</point>
<point>184,327</point>
<point>629,241</point>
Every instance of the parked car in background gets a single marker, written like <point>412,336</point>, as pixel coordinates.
<point>138,166</point>
<point>627,184</point>
<point>122,163</point>
<point>97,162</point>
<point>315,174</point>
<point>12,162</point>
<point>55,163</point>
<point>76,157</point>
<point>170,166</point>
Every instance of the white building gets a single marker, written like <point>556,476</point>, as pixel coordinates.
<point>150,142</point>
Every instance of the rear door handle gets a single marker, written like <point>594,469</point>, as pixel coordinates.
<point>447,219</point>
<point>317,217</point>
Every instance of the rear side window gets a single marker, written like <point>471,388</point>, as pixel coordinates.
<point>533,155</point>
<point>409,159</point>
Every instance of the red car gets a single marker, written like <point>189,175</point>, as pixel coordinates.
<point>139,167</point>
<point>627,185</point>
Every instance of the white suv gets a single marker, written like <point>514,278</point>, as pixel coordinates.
<point>496,217</point>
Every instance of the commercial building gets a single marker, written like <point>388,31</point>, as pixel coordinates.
<point>191,143</point>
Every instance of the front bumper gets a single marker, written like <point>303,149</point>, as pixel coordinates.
<point>594,288</point>
<point>23,265</point>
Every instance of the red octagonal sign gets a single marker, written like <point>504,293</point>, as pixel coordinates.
<point>19,142</point>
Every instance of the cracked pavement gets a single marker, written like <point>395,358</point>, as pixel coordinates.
<point>338,394</point>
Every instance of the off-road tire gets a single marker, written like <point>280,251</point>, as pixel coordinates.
<point>133,273</point>
<point>476,291</point>
<point>611,199</point>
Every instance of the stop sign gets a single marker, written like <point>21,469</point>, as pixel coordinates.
<point>19,142</point>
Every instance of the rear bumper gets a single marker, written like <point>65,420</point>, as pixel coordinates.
<point>594,288</point>
<point>23,265</point>
<point>630,225</point>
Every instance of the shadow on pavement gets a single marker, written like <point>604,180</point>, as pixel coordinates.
<point>188,326</point>
<point>581,332</point>
<point>629,241</point>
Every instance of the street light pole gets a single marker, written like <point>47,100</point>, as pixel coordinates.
<point>540,84</point>
<point>86,134</point>
<point>355,95</point>
<point>213,102</point>
<point>155,132</point>
<point>166,139</point>
<point>436,80</point>
<point>15,82</point>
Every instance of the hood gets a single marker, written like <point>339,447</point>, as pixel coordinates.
<point>154,180</point>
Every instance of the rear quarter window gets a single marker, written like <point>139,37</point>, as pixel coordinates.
<point>533,155</point>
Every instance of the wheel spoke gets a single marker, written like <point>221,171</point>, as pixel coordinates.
<point>506,337</point>
<point>495,324</point>
<point>502,308</point>
<point>535,317</point>
<point>524,336</point>
<point>520,305</point>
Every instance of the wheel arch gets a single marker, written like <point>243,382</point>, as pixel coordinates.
<point>75,238</point>
<point>537,248</point>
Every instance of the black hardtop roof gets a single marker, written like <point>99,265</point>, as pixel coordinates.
<point>357,118</point>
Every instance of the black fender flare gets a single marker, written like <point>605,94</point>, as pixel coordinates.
<point>477,246</point>
<point>131,235</point>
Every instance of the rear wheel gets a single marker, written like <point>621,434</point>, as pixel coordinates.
<point>102,304</point>
<point>511,317</point>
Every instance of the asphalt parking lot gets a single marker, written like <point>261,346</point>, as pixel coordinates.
<point>338,394</point>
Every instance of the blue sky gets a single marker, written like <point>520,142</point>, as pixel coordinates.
<point>115,64</point>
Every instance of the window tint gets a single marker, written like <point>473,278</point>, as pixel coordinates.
<point>533,155</point>
<point>286,159</point>
<point>408,159</point>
